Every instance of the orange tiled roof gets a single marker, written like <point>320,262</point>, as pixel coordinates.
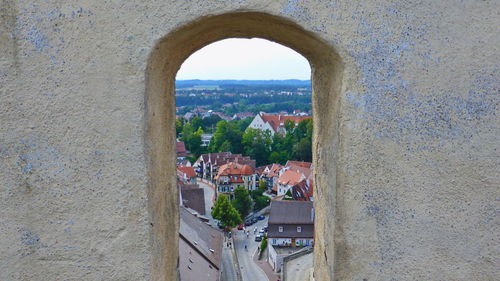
<point>189,171</point>
<point>278,120</point>
<point>290,178</point>
<point>298,163</point>
<point>234,169</point>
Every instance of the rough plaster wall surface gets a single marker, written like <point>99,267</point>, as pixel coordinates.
<point>415,188</point>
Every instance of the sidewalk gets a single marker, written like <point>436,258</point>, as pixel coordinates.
<point>264,265</point>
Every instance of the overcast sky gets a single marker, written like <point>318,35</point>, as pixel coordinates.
<point>250,59</point>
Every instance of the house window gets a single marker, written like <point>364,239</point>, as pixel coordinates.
<point>274,241</point>
<point>299,229</point>
<point>280,228</point>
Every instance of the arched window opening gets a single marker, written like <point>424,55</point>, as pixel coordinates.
<point>244,161</point>
<point>160,138</point>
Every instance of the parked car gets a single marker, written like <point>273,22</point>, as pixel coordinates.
<point>254,220</point>
<point>248,222</point>
<point>261,218</point>
<point>240,227</point>
<point>258,238</point>
<point>262,231</point>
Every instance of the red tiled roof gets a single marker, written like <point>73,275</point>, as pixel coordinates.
<point>274,170</point>
<point>188,171</point>
<point>180,147</point>
<point>298,163</point>
<point>290,178</point>
<point>234,169</point>
<point>278,120</point>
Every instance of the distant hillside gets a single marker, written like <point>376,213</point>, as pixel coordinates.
<point>225,84</point>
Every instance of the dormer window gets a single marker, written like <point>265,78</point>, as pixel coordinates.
<point>280,228</point>
<point>299,229</point>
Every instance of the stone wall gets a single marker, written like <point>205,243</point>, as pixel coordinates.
<point>405,93</point>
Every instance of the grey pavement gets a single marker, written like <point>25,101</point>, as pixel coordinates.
<point>229,265</point>
<point>228,262</point>
<point>250,271</point>
<point>300,268</point>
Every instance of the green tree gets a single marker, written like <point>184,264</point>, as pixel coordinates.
<point>303,150</point>
<point>242,201</point>
<point>225,146</point>
<point>226,131</point>
<point>225,212</point>
<point>262,185</point>
<point>196,123</point>
<point>257,144</point>
<point>210,122</point>
<point>179,124</point>
<point>263,246</point>
<point>243,123</point>
<point>261,202</point>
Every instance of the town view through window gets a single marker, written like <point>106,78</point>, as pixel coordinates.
<point>244,163</point>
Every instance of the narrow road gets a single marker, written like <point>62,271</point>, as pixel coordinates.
<point>249,270</point>
<point>228,263</point>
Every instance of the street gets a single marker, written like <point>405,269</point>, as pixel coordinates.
<point>228,263</point>
<point>249,270</point>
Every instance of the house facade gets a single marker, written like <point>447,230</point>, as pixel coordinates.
<point>291,223</point>
<point>232,175</point>
<point>275,123</point>
<point>287,180</point>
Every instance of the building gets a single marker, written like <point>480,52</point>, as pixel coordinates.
<point>275,123</point>
<point>200,249</point>
<point>303,191</point>
<point>181,151</point>
<point>186,174</point>
<point>242,115</point>
<point>271,174</point>
<point>232,175</point>
<point>291,223</point>
<point>205,139</point>
<point>192,197</point>
<point>207,165</point>
<point>287,180</point>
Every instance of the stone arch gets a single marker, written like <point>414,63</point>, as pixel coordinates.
<point>164,62</point>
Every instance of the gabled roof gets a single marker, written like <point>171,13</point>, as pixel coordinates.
<point>278,120</point>
<point>290,177</point>
<point>188,171</point>
<point>291,212</point>
<point>180,147</point>
<point>274,170</point>
<point>303,191</point>
<point>301,170</point>
<point>298,163</point>
<point>234,169</point>
<point>194,198</point>
<point>260,170</point>
<point>201,237</point>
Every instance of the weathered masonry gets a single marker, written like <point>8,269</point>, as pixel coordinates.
<point>405,98</point>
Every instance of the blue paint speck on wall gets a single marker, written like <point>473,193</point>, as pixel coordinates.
<point>38,39</point>
<point>29,238</point>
